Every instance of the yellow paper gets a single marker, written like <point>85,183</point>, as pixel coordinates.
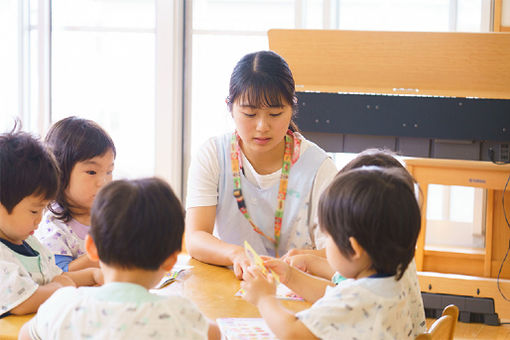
<point>256,260</point>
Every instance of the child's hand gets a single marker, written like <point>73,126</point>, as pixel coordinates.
<point>292,252</point>
<point>281,268</point>
<point>299,261</point>
<point>98,277</point>
<point>64,280</point>
<point>257,285</point>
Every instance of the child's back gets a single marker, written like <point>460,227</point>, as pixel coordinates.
<point>136,234</point>
<point>372,221</point>
<point>118,310</point>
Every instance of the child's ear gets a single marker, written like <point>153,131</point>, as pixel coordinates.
<point>358,249</point>
<point>91,248</point>
<point>168,264</point>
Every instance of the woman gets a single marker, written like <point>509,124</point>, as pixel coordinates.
<point>260,183</point>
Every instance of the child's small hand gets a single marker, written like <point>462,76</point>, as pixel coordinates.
<point>64,280</point>
<point>281,268</point>
<point>98,277</point>
<point>257,285</point>
<point>291,252</point>
<point>299,261</point>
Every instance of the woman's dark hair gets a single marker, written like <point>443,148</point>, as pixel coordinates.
<point>378,208</point>
<point>27,168</point>
<point>73,140</point>
<point>263,79</point>
<point>137,223</point>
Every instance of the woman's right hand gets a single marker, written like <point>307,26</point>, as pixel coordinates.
<point>240,262</point>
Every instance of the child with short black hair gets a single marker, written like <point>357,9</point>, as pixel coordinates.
<point>136,234</point>
<point>372,220</point>
<point>85,154</point>
<point>28,181</point>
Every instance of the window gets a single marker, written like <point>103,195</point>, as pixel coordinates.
<point>9,63</point>
<point>103,68</point>
<point>104,60</point>
<point>222,31</point>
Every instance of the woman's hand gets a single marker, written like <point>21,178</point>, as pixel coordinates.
<point>240,262</point>
<point>256,285</point>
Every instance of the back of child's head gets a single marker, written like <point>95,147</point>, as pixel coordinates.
<point>26,168</point>
<point>73,140</point>
<point>383,158</point>
<point>378,208</point>
<point>263,79</point>
<point>137,223</point>
<point>373,157</point>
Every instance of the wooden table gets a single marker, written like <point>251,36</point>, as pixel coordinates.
<point>211,288</point>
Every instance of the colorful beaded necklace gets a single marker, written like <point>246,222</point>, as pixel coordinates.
<point>289,158</point>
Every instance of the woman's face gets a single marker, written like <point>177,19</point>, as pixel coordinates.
<point>261,129</point>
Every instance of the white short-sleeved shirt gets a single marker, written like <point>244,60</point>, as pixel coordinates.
<point>20,276</point>
<point>117,310</point>
<point>204,178</point>
<point>367,308</point>
<point>62,238</point>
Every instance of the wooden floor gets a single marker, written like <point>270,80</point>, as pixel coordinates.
<point>466,331</point>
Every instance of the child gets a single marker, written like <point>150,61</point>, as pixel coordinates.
<point>28,274</point>
<point>136,235</point>
<point>85,154</point>
<point>261,182</point>
<point>304,259</point>
<point>319,266</point>
<point>372,221</point>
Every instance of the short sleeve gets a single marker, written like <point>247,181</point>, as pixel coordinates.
<point>41,324</point>
<point>16,285</point>
<point>203,177</point>
<point>191,323</point>
<point>333,316</point>
<point>53,235</point>
<point>49,268</point>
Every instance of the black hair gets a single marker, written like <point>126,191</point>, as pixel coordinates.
<point>137,223</point>
<point>73,140</point>
<point>383,158</point>
<point>263,79</point>
<point>373,157</point>
<point>378,208</point>
<point>27,168</point>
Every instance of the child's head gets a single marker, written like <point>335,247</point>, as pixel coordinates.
<point>373,157</point>
<point>377,208</point>
<point>28,180</point>
<point>263,80</point>
<point>379,157</point>
<point>85,154</point>
<point>137,224</point>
